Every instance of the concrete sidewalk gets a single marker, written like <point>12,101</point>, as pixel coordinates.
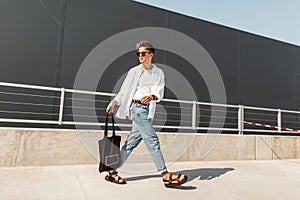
<point>253,180</point>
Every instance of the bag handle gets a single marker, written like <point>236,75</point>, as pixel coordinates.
<point>106,124</point>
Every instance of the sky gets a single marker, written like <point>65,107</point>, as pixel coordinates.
<point>276,19</point>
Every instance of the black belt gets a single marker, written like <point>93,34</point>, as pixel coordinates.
<point>138,101</point>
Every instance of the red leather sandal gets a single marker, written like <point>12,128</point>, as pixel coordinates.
<point>171,182</point>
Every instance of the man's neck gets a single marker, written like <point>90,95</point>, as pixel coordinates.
<point>147,66</point>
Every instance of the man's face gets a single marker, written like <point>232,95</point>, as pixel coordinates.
<point>145,56</point>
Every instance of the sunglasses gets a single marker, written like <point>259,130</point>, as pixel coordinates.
<point>142,53</point>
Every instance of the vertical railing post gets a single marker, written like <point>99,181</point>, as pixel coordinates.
<point>194,115</point>
<point>61,106</point>
<point>241,119</point>
<point>279,122</point>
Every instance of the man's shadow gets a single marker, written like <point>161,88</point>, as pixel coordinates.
<point>204,174</point>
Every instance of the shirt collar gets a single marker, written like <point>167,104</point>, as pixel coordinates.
<point>153,68</point>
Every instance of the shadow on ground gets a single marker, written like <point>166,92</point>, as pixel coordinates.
<point>203,174</point>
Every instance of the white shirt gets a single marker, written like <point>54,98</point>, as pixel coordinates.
<point>144,84</point>
<point>130,85</point>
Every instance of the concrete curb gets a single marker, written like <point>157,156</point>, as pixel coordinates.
<point>35,147</point>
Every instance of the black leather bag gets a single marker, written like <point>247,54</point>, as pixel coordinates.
<point>109,148</point>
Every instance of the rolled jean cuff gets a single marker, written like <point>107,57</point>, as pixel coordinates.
<point>162,170</point>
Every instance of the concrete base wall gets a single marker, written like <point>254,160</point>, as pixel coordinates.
<point>26,147</point>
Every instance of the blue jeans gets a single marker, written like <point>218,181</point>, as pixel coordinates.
<point>142,129</point>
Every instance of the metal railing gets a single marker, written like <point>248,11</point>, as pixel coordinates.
<point>31,104</point>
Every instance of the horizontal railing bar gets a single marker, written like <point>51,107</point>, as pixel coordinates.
<point>217,129</point>
<point>92,124</point>
<point>173,127</point>
<point>258,130</point>
<point>290,111</point>
<point>27,103</point>
<point>120,125</point>
<point>30,86</point>
<point>288,121</point>
<point>259,119</point>
<point>258,108</point>
<point>263,114</point>
<point>178,107</point>
<point>177,101</point>
<point>225,111</point>
<point>30,95</point>
<point>89,100</point>
<point>217,104</point>
<point>29,121</point>
<point>89,92</point>
<point>176,114</point>
<point>179,120</point>
<point>289,132</point>
<point>26,112</point>
<point>82,123</point>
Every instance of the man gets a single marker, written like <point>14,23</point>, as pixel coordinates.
<point>142,88</point>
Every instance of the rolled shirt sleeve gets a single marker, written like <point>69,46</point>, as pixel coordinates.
<point>159,86</point>
<point>124,88</point>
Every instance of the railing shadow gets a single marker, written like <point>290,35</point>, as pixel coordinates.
<point>204,174</point>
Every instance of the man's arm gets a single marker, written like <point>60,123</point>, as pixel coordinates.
<point>111,105</point>
<point>119,98</point>
<point>147,99</point>
<point>158,91</point>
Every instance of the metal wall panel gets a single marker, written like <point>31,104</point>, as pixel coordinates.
<point>44,42</point>
<point>266,72</point>
<point>29,39</point>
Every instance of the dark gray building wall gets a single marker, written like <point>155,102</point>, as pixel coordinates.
<point>29,41</point>
<point>44,42</point>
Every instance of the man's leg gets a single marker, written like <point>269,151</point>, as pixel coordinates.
<point>144,125</point>
<point>152,142</point>
<point>133,140</point>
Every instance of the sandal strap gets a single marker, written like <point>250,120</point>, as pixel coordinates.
<point>116,177</point>
<point>176,179</point>
<point>171,179</point>
<point>113,173</point>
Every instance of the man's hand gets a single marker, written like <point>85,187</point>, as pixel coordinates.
<point>110,107</point>
<point>147,99</point>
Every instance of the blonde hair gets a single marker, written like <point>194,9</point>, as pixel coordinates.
<point>146,44</point>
